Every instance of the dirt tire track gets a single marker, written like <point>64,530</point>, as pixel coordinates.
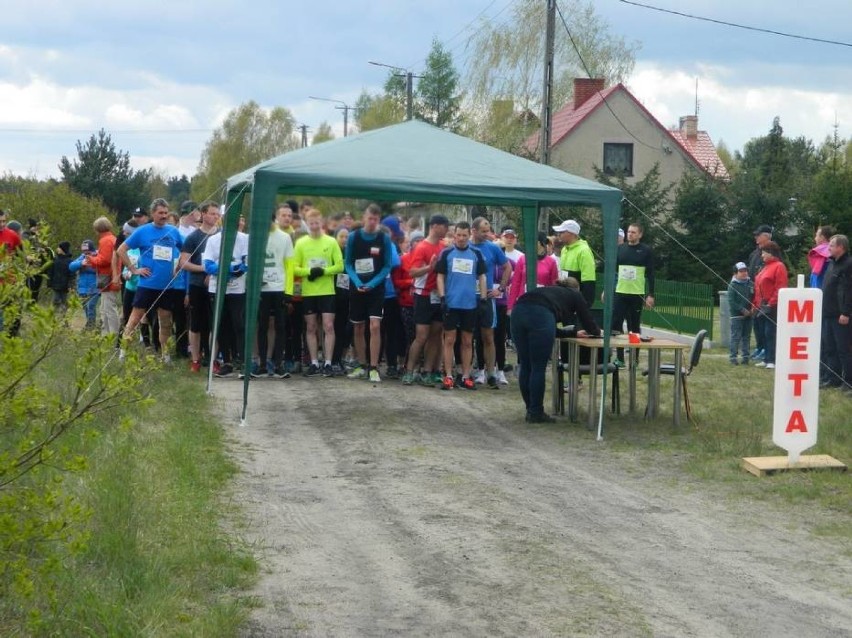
<point>391,510</point>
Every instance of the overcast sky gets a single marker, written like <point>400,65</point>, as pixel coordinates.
<point>160,76</point>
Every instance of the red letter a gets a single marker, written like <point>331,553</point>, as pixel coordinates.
<point>796,423</point>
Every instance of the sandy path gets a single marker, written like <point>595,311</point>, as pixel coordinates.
<point>383,510</point>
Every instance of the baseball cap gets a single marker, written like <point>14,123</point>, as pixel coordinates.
<point>763,228</point>
<point>139,212</point>
<point>88,244</point>
<point>568,226</point>
<point>187,207</point>
<point>416,235</point>
<point>740,265</point>
<point>509,231</point>
<point>392,224</point>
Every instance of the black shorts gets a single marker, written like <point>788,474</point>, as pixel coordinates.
<point>151,298</point>
<point>199,306</point>
<point>426,312</point>
<point>457,319</point>
<point>321,304</point>
<point>486,316</point>
<point>366,304</point>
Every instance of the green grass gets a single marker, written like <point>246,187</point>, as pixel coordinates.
<point>732,410</point>
<point>158,560</point>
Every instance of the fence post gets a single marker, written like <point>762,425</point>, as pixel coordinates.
<point>724,319</point>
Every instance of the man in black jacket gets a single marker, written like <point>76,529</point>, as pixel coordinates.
<point>836,351</point>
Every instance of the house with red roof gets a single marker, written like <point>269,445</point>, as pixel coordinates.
<point>610,129</point>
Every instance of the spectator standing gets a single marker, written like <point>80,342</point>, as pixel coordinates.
<point>546,272</point>
<point>109,276</point>
<point>59,276</point>
<point>762,236</point>
<point>740,294</point>
<point>577,259</point>
<point>87,284</point>
<point>819,255</point>
<point>836,312</point>
<point>770,280</point>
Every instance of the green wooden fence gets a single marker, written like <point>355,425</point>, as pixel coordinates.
<point>680,307</point>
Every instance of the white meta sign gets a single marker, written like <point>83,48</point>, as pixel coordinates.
<point>794,426</point>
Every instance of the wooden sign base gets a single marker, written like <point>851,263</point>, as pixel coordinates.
<point>763,465</point>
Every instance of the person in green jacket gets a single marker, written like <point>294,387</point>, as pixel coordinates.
<point>576,259</point>
<point>317,259</point>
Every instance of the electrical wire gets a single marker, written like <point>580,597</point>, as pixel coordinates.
<point>655,223</point>
<point>589,74</point>
<point>738,26</point>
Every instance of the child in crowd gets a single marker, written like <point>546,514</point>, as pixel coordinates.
<point>740,292</point>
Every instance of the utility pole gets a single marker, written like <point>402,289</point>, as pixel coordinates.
<point>304,129</point>
<point>409,86</point>
<point>345,108</point>
<point>547,98</point>
<point>547,92</point>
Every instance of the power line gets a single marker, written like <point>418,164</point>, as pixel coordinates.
<point>111,132</point>
<point>736,25</point>
<point>589,73</point>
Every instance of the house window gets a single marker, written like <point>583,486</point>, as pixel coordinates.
<point>618,159</point>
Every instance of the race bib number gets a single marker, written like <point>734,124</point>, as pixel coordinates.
<point>342,281</point>
<point>233,284</point>
<point>462,266</point>
<point>163,253</point>
<point>316,262</point>
<point>434,297</point>
<point>272,276</point>
<point>364,266</point>
<point>627,273</point>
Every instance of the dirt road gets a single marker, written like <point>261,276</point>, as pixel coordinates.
<point>392,511</point>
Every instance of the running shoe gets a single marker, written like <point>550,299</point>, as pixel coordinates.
<point>281,373</point>
<point>195,366</point>
<point>374,375</point>
<point>254,370</point>
<point>224,370</point>
<point>770,366</point>
<point>492,383</point>
<point>436,378</point>
<point>618,363</point>
<point>468,384</point>
<point>501,378</point>
<point>270,368</point>
<point>313,371</point>
<point>760,364</point>
<point>327,370</point>
<point>358,373</point>
<point>408,378</point>
<point>479,377</point>
<point>447,383</point>
<point>392,372</point>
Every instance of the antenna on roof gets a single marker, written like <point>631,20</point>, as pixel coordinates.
<point>696,98</point>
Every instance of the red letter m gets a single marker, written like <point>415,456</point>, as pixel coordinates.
<point>800,314</point>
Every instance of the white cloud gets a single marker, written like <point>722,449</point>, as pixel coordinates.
<point>735,112</point>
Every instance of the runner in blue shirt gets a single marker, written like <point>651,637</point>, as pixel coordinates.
<point>495,260</point>
<point>159,247</point>
<point>462,288</point>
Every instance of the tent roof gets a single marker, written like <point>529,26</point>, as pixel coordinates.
<point>415,160</point>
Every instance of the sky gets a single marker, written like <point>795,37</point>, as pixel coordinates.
<point>161,76</point>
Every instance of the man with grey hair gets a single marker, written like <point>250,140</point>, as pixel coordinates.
<point>836,351</point>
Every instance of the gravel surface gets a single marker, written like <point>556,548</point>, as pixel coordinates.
<point>384,510</point>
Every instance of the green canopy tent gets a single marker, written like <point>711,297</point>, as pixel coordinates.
<point>412,161</point>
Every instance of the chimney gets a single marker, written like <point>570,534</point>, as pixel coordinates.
<point>689,126</point>
<point>584,88</point>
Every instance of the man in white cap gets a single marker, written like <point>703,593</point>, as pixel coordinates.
<point>576,259</point>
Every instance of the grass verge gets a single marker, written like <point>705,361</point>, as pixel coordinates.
<point>732,418</point>
<point>157,560</point>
